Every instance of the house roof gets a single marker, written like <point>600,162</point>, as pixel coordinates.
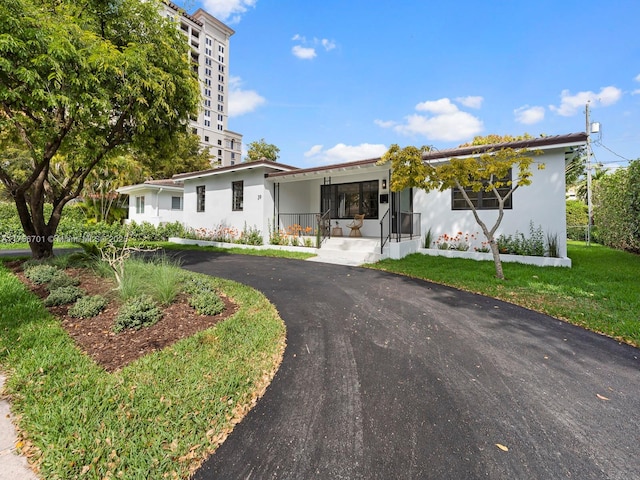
<point>326,169</point>
<point>235,168</point>
<point>555,141</point>
<point>162,184</point>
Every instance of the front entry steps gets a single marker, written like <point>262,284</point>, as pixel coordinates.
<point>349,251</point>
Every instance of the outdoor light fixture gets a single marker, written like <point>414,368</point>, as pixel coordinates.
<point>384,183</point>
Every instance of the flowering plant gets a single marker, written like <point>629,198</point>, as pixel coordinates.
<point>460,241</point>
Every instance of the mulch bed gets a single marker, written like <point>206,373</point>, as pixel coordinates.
<point>95,336</point>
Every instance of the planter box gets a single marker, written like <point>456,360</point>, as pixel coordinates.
<point>538,261</point>
<point>207,243</point>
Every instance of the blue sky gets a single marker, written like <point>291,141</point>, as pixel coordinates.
<point>332,81</point>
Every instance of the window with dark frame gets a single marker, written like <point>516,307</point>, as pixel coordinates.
<point>349,199</point>
<point>482,200</point>
<point>237,191</point>
<point>200,197</point>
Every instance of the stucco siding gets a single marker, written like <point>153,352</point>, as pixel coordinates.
<point>157,207</point>
<point>542,203</point>
<point>218,210</point>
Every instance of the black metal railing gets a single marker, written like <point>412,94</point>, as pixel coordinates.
<point>385,231</point>
<point>399,226</point>
<point>324,227</point>
<point>408,225</point>
<point>297,223</point>
<point>316,225</point>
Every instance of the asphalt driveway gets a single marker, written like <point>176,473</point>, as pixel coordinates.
<point>389,377</point>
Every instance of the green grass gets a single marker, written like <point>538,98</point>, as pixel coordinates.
<point>25,245</point>
<point>155,418</point>
<point>238,251</point>
<point>601,291</point>
<point>158,277</point>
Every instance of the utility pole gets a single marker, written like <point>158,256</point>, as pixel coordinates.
<point>588,165</point>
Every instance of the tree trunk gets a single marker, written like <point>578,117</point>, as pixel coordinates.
<point>41,246</point>
<point>496,258</point>
<point>39,234</point>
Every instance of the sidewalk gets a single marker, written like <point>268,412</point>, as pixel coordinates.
<point>12,465</point>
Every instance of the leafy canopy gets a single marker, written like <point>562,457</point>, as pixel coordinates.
<point>261,150</point>
<point>81,82</point>
<point>484,171</point>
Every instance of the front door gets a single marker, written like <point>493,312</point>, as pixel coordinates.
<point>401,212</point>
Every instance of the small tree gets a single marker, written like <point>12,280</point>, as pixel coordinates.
<point>261,150</point>
<point>486,171</point>
<point>79,84</point>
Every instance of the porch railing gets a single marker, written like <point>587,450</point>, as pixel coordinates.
<point>385,230</point>
<point>324,227</point>
<point>407,225</point>
<point>305,224</point>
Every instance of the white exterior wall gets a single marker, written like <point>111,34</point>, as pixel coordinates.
<point>542,202</point>
<point>257,202</point>
<point>157,207</point>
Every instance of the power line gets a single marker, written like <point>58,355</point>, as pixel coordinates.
<point>600,144</point>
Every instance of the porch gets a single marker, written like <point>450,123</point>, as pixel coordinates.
<point>395,228</point>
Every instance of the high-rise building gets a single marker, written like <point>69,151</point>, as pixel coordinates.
<point>209,40</point>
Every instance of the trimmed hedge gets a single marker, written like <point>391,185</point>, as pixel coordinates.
<point>74,227</point>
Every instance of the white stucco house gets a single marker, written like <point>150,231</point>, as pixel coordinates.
<point>155,201</point>
<point>265,194</point>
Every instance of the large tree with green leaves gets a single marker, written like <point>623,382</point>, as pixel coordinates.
<point>261,150</point>
<point>81,82</point>
<point>487,171</point>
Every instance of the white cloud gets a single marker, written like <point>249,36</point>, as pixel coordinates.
<point>385,123</point>
<point>572,104</point>
<point>637,79</point>
<point>242,101</point>
<point>443,121</point>
<point>342,153</point>
<point>313,151</point>
<point>304,53</point>
<point>470,101</point>
<point>442,106</point>
<point>307,50</point>
<point>228,10</point>
<point>529,115</point>
<point>636,92</point>
<point>328,44</point>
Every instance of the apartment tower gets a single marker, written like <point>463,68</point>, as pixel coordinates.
<point>209,40</point>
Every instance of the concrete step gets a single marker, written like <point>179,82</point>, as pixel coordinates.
<point>349,251</point>
<point>357,244</point>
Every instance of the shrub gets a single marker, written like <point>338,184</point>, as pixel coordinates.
<point>138,312</point>
<point>518,244</point>
<point>63,295</point>
<point>207,302</point>
<point>197,284</point>
<point>577,219</point>
<point>87,307</point>
<point>40,273</point>
<point>61,279</point>
<point>428,239</point>
<point>250,236</point>
<point>616,208</point>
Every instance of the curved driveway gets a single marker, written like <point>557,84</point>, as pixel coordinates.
<point>389,377</point>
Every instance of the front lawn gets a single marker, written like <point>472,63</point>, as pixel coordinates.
<point>159,416</point>
<point>601,292</point>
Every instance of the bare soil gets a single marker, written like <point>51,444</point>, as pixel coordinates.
<point>95,336</point>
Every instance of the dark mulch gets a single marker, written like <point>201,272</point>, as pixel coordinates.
<point>95,336</point>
